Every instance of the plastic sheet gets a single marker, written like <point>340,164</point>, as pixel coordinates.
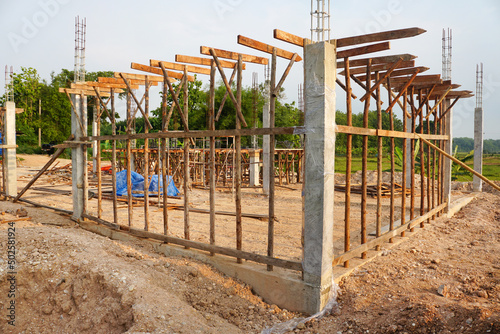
<point>138,185</point>
<point>331,306</point>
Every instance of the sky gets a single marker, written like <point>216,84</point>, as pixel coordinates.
<point>40,34</point>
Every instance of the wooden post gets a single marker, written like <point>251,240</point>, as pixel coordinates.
<point>164,169</point>
<point>272,108</point>
<point>113,157</point>
<point>403,163</point>
<point>146,158</point>
<point>422,163</point>
<point>237,167</point>
<point>186,161</point>
<point>364,161</point>
<point>98,159</point>
<point>129,165</point>
<point>211,122</point>
<point>347,223</point>
<point>378,230</point>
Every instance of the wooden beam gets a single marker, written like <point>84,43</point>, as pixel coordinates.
<point>234,55</point>
<point>441,98</point>
<point>380,67</point>
<point>379,36</point>
<point>141,77</point>
<point>156,70</point>
<point>205,61</point>
<point>89,84</point>
<point>289,38</point>
<point>254,44</point>
<point>179,67</point>
<point>364,50</point>
<point>120,81</point>
<point>420,78</point>
<point>453,93</point>
<point>398,73</point>
<point>205,133</point>
<point>377,60</point>
<point>82,91</point>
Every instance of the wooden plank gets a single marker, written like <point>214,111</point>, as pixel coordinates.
<point>234,55</point>
<point>398,73</point>
<point>380,67</point>
<point>254,44</point>
<point>205,61</point>
<point>452,94</point>
<point>120,81</point>
<point>289,38</point>
<point>379,36</point>
<point>293,265</point>
<point>364,50</point>
<point>142,77</point>
<point>179,67</point>
<point>355,130</point>
<point>377,60</point>
<point>419,78</point>
<point>90,84</point>
<point>156,70</point>
<point>380,78</point>
<point>83,91</point>
<point>356,252</point>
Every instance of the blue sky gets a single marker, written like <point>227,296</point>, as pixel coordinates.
<point>40,34</point>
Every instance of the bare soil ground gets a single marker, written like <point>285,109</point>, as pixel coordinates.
<point>446,279</point>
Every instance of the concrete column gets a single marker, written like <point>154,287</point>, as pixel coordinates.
<point>94,143</point>
<point>320,73</point>
<point>10,162</point>
<point>254,167</point>
<point>477,183</point>
<point>79,157</point>
<point>266,121</point>
<point>448,147</point>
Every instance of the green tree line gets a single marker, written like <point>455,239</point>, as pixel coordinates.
<point>464,144</point>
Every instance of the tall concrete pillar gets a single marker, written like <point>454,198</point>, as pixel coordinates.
<point>266,158</point>
<point>448,148</point>
<point>477,183</point>
<point>320,73</point>
<point>254,167</point>
<point>10,150</point>
<point>79,156</point>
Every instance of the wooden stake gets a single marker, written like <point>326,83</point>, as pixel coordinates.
<point>272,106</point>
<point>365,161</point>
<point>347,223</point>
<point>237,171</point>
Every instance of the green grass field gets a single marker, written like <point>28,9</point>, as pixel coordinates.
<point>491,166</point>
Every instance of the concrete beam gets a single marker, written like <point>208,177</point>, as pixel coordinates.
<point>320,73</point>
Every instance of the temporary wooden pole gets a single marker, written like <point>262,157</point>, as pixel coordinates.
<point>393,170</point>
<point>113,158</point>
<point>403,162</point>
<point>237,167</point>
<point>211,123</point>
<point>379,161</point>
<point>455,160</point>
<point>272,107</point>
<point>98,157</point>
<point>129,164</point>
<point>146,159</point>
<point>186,162</point>
<point>347,225</point>
<point>164,170</point>
<point>365,161</point>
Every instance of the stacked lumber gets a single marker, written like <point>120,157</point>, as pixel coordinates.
<point>371,189</point>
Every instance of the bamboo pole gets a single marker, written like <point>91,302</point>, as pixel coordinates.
<point>365,161</point>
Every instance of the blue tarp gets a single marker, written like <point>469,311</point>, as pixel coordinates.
<point>138,184</point>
